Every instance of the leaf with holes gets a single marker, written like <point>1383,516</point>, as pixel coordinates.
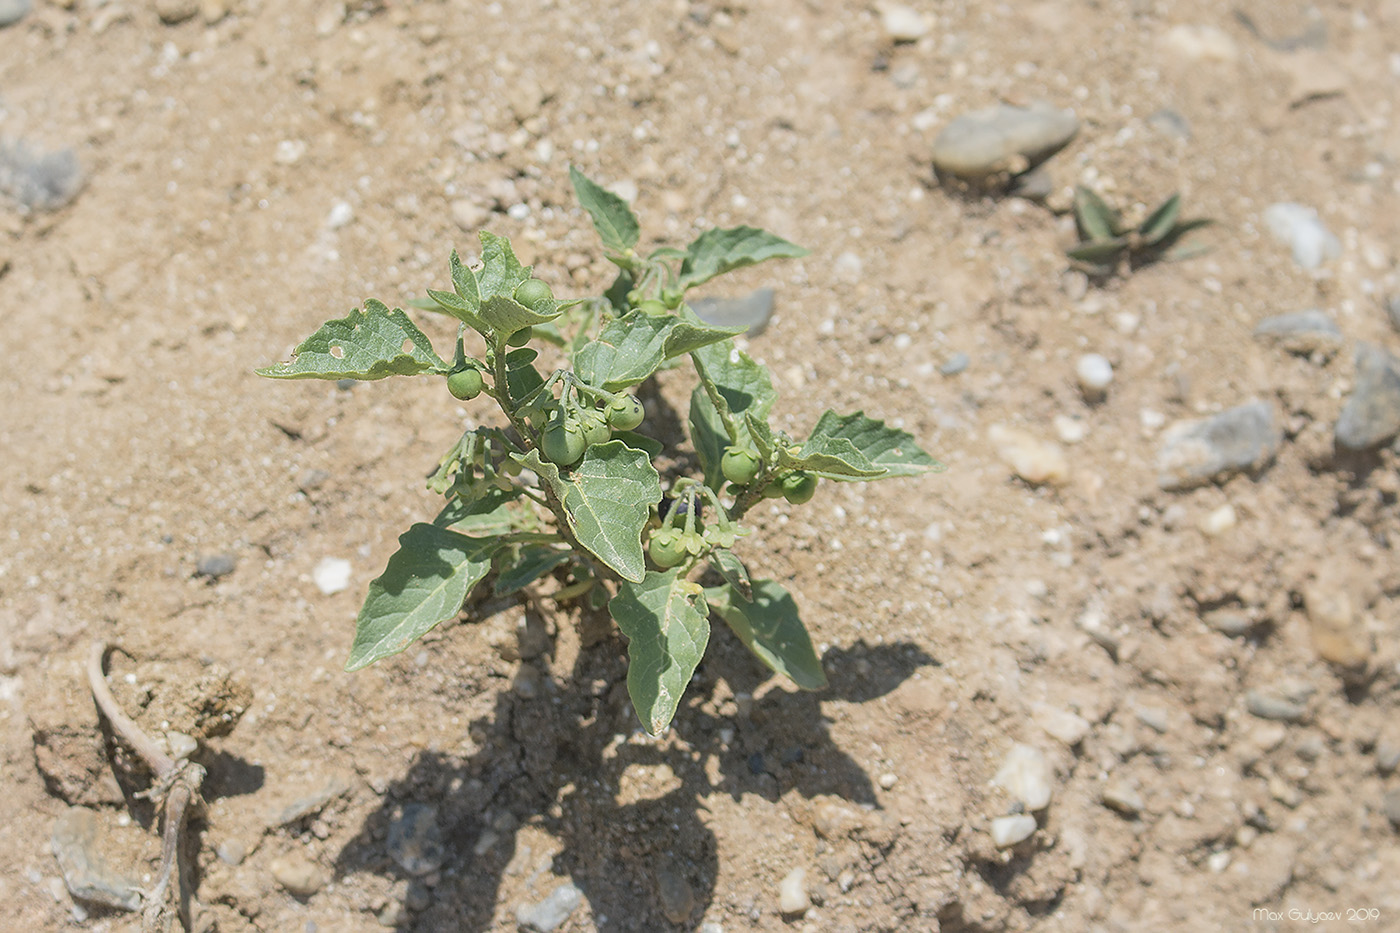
<point>666,621</point>
<point>370,344</point>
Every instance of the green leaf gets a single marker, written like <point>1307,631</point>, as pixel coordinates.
<point>464,280</point>
<point>769,626</point>
<point>505,316</point>
<point>717,251</point>
<point>728,565</point>
<point>634,346</point>
<point>522,378</point>
<point>1096,220</point>
<point>884,447</point>
<point>533,562</point>
<point>425,583</point>
<point>487,515</point>
<point>649,445</point>
<point>365,345</point>
<point>607,500</point>
<point>1161,221</point>
<point>617,226</point>
<point>666,621</point>
<point>741,385</point>
<point>501,273</point>
<point>830,456</point>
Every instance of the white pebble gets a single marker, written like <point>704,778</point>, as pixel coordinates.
<point>903,24</point>
<point>1025,775</point>
<point>1009,830</point>
<point>1095,373</point>
<point>1311,243</point>
<point>1034,460</point>
<point>1070,728</point>
<point>888,780</point>
<point>331,575</point>
<point>1069,429</point>
<point>792,893</point>
<point>341,214</point>
<point>1218,521</point>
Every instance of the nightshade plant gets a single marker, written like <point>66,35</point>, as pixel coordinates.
<point>567,487</point>
<point>1105,241</point>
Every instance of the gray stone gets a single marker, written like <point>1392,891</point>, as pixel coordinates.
<point>1301,332</point>
<point>415,839</point>
<point>1387,756</point>
<point>1268,706</point>
<point>1372,414</point>
<point>12,11</point>
<point>39,181</point>
<point>307,804</point>
<point>677,897</point>
<point>1200,450</point>
<point>550,913</point>
<point>172,12</point>
<point>214,566</point>
<point>86,871</point>
<point>1002,139</point>
<point>1392,806</point>
<point>1298,226</point>
<point>1122,796</point>
<point>1170,123</point>
<point>751,311</point>
<point>955,364</point>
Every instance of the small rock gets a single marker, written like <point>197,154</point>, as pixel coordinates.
<point>903,24</point>
<point>1095,374</point>
<point>418,897</point>
<point>1069,429</point>
<point>77,847</point>
<point>469,215</point>
<point>1201,43</point>
<point>888,780</point>
<point>1392,310</point>
<point>1170,123</point>
<point>1002,139</point>
<point>231,852</point>
<point>1069,728</point>
<point>1199,450</point>
<point>1268,706</point>
<point>307,804</point>
<point>1231,622</point>
<point>1025,775</point>
<point>677,897</point>
<point>1372,413</point>
<point>1338,634</point>
<point>1218,521</point>
<point>172,12</point>
<point>1301,332</point>
<point>214,566</point>
<point>1122,796</point>
<point>1154,718</point>
<point>1392,806</point>
<point>331,575</point>
<point>1387,756</point>
<point>954,364</point>
<point>1299,228</point>
<point>180,745</point>
<point>833,819</point>
<point>1034,460</point>
<point>550,913</point>
<point>341,213</point>
<point>415,839</point>
<point>848,268</point>
<point>752,311</point>
<point>12,11</point>
<point>793,899</point>
<point>298,875</point>
<point>1009,830</point>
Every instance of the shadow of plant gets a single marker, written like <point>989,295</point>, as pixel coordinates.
<point>557,760</point>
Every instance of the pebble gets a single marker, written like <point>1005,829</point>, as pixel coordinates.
<point>549,914</point>
<point>341,213</point>
<point>1061,724</point>
<point>331,575</point>
<point>1339,635</point>
<point>1069,429</point>
<point>1154,718</point>
<point>1218,521</point>
<point>309,803</point>
<point>1392,806</point>
<point>298,875</point>
<point>172,12</point>
<point>1095,374</point>
<point>1372,413</point>
<point>1009,830</point>
<point>1002,139</point>
<point>677,897</point>
<point>793,899</point>
<point>1201,43</point>
<point>1025,775</point>
<point>1298,227</point>
<point>1170,123</point>
<point>955,364</point>
<point>415,839</point>
<point>1387,756</point>
<point>903,24</point>
<point>848,267</point>
<point>1268,706</point>
<point>1199,450</point>
<point>1034,460</point>
<point>1231,622</point>
<point>752,311</point>
<point>12,11</point>
<point>1122,796</point>
<point>1301,332</point>
<point>214,566</point>
<point>469,215</point>
<point>81,860</point>
<point>231,852</point>
<point>1392,310</point>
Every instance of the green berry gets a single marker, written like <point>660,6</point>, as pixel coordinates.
<point>595,428</point>
<point>799,487</point>
<point>465,384</point>
<point>672,297</point>
<point>654,308</point>
<point>666,548</point>
<point>624,413</point>
<point>563,442</point>
<point>532,293</point>
<point>740,466</point>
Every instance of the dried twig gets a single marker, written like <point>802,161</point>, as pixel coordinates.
<point>175,791</point>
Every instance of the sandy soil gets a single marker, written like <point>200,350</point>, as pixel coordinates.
<point>960,614</point>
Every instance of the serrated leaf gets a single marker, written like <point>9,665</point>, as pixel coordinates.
<point>886,448</point>
<point>533,562</point>
<point>489,514</point>
<point>728,565</point>
<point>425,583</point>
<point>1161,221</point>
<point>501,273</point>
<point>666,621</point>
<point>717,251</point>
<point>607,499</point>
<point>1095,219</point>
<point>634,346</point>
<point>742,386</point>
<point>612,217</point>
<point>367,345</point>
<point>770,627</point>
